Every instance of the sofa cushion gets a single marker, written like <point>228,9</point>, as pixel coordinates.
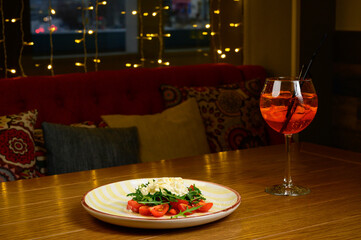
<point>176,132</point>
<point>17,150</point>
<point>71,149</point>
<point>231,114</point>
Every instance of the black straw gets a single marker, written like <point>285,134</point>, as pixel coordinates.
<point>293,104</point>
<point>313,57</point>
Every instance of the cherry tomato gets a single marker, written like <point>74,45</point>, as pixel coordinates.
<point>159,210</point>
<point>173,211</point>
<point>182,207</point>
<point>134,206</point>
<point>175,204</point>
<point>205,206</point>
<point>144,210</point>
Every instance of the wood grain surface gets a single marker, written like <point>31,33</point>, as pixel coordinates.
<point>49,207</point>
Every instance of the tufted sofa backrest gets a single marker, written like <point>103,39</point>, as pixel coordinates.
<point>73,98</point>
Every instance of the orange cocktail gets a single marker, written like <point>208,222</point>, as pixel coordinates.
<point>274,111</point>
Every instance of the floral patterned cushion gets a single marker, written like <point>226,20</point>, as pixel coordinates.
<point>40,150</point>
<point>17,150</point>
<point>230,113</point>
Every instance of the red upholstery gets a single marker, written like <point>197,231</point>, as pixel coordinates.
<point>73,98</point>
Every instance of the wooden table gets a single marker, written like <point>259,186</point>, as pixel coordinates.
<point>49,207</point>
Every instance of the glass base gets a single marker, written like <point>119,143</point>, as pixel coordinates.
<point>284,190</point>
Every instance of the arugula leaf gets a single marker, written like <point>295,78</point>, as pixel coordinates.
<point>193,196</point>
<point>188,210</point>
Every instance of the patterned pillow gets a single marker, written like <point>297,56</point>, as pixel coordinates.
<point>17,150</point>
<point>40,150</point>
<point>230,114</point>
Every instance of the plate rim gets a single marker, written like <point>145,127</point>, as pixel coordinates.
<point>89,208</point>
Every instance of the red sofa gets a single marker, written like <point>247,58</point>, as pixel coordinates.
<point>79,97</point>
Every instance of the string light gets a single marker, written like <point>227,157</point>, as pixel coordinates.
<point>215,32</point>
<point>50,66</point>
<point>96,60</point>
<point>84,22</point>
<point>234,24</point>
<point>22,40</point>
<point>3,39</point>
<point>13,20</point>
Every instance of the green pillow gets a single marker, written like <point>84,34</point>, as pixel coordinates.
<point>72,149</point>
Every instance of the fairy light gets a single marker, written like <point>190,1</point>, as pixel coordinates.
<point>218,25</point>
<point>50,66</point>
<point>4,40</point>
<point>208,26</point>
<point>142,36</point>
<point>20,62</point>
<point>160,34</point>
<point>234,24</point>
<point>96,60</point>
<point>84,20</point>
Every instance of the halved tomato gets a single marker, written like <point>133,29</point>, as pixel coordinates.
<point>159,210</point>
<point>144,210</point>
<point>134,206</point>
<point>175,204</point>
<point>205,206</point>
<point>173,211</point>
<point>182,207</point>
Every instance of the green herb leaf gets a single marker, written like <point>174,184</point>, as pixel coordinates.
<point>188,210</point>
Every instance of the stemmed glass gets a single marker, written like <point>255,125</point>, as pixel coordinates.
<point>288,105</point>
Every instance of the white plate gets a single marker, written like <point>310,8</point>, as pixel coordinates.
<point>108,203</point>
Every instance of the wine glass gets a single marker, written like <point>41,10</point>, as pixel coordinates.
<point>288,105</point>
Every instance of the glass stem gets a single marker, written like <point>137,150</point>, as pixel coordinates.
<point>287,181</point>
